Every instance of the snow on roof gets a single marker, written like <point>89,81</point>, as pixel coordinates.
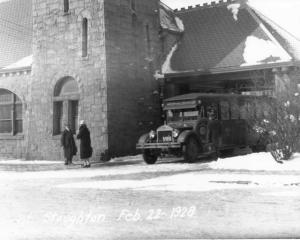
<point>24,62</point>
<point>224,36</point>
<point>286,39</point>
<point>166,67</point>
<point>258,51</point>
<point>234,8</point>
<point>168,20</point>
<point>16,31</point>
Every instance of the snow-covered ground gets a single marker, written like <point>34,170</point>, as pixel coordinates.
<point>249,196</point>
<point>247,171</point>
<point>257,162</point>
<point>23,162</point>
<point>195,180</point>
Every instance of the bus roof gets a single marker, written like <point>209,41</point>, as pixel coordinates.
<point>196,96</point>
<point>191,100</point>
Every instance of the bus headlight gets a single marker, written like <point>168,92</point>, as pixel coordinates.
<point>152,134</point>
<point>175,133</point>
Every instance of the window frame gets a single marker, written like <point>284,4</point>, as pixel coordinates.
<point>13,103</point>
<point>84,40</point>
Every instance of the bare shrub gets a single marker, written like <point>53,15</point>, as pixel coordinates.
<point>281,124</point>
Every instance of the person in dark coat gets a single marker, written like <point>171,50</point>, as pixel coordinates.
<point>68,144</point>
<point>85,144</point>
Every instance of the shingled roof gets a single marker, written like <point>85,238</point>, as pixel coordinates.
<point>222,36</point>
<point>15,31</point>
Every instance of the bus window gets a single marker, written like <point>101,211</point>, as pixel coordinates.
<point>179,115</point>
<point>235,112</point>
<point>190,114</point>
<point>224,110</point>
<point>245,111</point>
<point>212,112</point>
<point>174,115</point>
<point>202,112</point>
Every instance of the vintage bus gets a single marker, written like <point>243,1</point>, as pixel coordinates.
<point>204,124</point>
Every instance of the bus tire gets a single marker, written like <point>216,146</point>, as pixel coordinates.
<point>149,156</point>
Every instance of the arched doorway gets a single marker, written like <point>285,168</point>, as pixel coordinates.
<point>65,104</point>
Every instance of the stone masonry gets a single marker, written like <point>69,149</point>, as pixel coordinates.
<point>118,96</point>
<point>57,54</point>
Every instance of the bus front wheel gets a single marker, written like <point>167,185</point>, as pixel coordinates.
<point>149,156</point>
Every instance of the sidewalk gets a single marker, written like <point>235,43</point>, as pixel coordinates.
<point>19,165</point>
<point>36,166</point>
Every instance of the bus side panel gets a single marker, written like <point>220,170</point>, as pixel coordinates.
<point>233,132</point>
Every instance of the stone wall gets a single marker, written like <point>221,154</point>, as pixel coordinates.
<point>18,83</point>
<point>57,53</point>
<point>132,45</point>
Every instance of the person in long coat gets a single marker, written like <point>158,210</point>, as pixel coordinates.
<point>86,150</point>
<point>68,144</point>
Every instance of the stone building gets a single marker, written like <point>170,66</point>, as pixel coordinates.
<point>91,60</point>
<point>110,62</point>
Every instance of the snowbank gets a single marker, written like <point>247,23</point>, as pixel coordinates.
<point>257,162</point>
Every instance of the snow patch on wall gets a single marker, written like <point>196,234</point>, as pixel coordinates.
<point>259,51</point>
<point>24,62</point>
<point>166,67</point>
<point>234,8</point>
<point>179,24</point>
<point>157,75</point>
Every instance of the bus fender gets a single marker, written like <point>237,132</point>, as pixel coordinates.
<point>143,139</point>
<point>185,135</point>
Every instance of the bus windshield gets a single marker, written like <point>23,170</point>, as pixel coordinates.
<point>182,115</point>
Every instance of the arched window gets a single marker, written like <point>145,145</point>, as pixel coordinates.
<point>11,119</point>
<point>84,37</point>
<point>66,6</point>
<point>65,105</point>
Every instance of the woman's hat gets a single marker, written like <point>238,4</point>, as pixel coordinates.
<point>82,122</point>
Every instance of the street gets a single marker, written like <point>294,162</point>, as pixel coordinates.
<point>128,199</point>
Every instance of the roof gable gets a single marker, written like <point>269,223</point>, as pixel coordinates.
<point>286,39</point>
<point>16,31</point>
<point>168,20</point>
<point>221,36</point>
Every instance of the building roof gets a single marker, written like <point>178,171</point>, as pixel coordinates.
<point>222,36</point>
<point>168,20</point>
<point>15,31</point>
<point>285,38</point>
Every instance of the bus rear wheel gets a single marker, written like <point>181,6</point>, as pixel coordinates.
<point>149,156</point>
